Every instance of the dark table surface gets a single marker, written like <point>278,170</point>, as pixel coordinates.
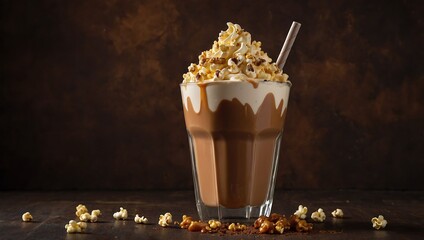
<point>404,211</point>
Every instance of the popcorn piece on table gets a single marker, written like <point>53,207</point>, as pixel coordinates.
<point>121,215</point>
<point>139,219</point>
<point>81,209</point>
<point>318,216</point>
<point>186,221</point>
<point>27,217</point>
<point>338,213</point>
<point>301,212</point>
<point>85,217</point>
<point>378,222</point>
<point>237,227</point>
<point>165,220</point>
<point>281,225</point>
<point>213,224</point>
<point>75,227</point>
<point>95,215</point>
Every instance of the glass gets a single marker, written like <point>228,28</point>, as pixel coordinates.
<point>234,131</point>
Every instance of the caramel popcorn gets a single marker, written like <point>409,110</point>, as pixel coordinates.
<point>81,209</point>
<point>318,216</point>
<point>301,212</point>
<point>338,213</point>
<point>213,224</point>
<point>185,223</point>
<point>266,227</point>
<point>121,215</point>
<point>27,217</point>
<point>281,225</point>
<point>237,227</point>
<point>234,57</point>
<point>259,221</point>
<point>196,226</point>
<point>75,227</point>
<point>165,220</point>
<point>141,219</point>
<point>378,222</point>
<point>303,226</point>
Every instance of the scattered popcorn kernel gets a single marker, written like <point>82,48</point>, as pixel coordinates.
<point>266,227</point>
<point>139,219</point>
<point>279,228</point>
<point>27,217</point>
<point>232,227</point>
<point>74,227</point>
<point>379,222</point>
<point>95,215</point>
<point>196,226</point>
<point>96,212</point>
<point>82,225</point>
<point>241,227</point>
<point>85,217</point>
<point>318,216</point>
<point>282,223</point>
<point>303,226</point>
<point>121,215</point>
<point>213,224</point>
<point>259,221</point>
<point>165,220</point>
<point>301,212</point>
<point>237,227</point>
<point>81,209</point>
<point>185,223</point>
<point>338,213</point>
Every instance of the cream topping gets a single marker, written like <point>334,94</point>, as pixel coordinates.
<point>245,92</point>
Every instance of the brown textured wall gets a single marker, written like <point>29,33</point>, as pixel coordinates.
<point>90,96</point>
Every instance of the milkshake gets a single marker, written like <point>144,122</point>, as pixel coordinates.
<point>235,102</point>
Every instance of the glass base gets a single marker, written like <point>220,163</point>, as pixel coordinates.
<point>240,214</point>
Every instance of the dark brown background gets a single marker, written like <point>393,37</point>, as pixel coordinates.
<point>90,96</point>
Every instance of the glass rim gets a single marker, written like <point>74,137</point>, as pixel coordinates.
<point>288,83</point>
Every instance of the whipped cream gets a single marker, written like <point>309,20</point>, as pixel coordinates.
<point>234,57</point>
<point>245,92</point>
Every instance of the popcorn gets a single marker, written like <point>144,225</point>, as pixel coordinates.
<point>318,216</point>
<point>379,222</point>
<point>186,221</point>
<point>237,227</point>
<point>121,215</point>
<point>81,209</point>
<point>139,219</point>
<point>165,220</point>
<point>214,224</point>
<point>196,226</point>
<point>301,212</point>
<point>75,227</point>
<point>85,217</point>
<point>27,217</point>
<point>234,56</point>
<point>94,215</point>
<point>281,225</point>
<point>338,213</point>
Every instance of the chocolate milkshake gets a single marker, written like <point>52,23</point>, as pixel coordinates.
<point>235,103</point>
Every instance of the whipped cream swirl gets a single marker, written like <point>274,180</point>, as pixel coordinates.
<point>234,57</point>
